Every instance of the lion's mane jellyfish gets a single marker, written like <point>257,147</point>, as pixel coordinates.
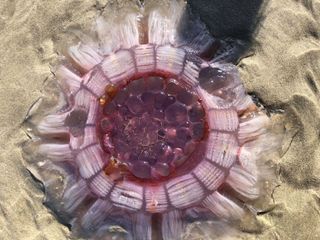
<point>153,130</point>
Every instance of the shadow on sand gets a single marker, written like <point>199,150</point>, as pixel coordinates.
<point>238,19</point>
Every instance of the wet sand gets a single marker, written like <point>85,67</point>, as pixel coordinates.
<point>283,72</point>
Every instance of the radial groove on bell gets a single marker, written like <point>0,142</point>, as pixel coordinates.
<point>212,177</point>
<point>96,214</point>
<point>222,148</point>
<point>170,59</point>
<point>223,119</point>
<point>101,184</point>
<point>83,99</point>
<point>90,136</point>
<point>92,114</point>
<point>89,161</point>
<point>118,66</point>
<point>184,191</point>
<point>156,199</point>
<point>145,58</point>
<point>127,195</point>
<point>97,81</point>
<point>190,74</point>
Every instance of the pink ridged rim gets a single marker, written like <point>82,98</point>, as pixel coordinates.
<point>209,172</point>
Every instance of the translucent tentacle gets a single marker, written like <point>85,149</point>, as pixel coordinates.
<point>95,215</point>
<point>163,21</point>
<point>53,124</point>
<point>85,56</point>
<point>195,37</point>
<point>222,206</point>
<point>119,32</point>
<point>172,225</point>
<point>243,182</point>
<point>69,80</point>
<point>56,151</point>
<point>74,195</point>
<point>142,227</point>
<point>230,50</point>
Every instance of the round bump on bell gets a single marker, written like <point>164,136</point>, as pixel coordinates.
<point>154,83</point>
<point>148,98</point>
<point>198,130</point>
<point>137,87</point>
<point>162,169</point>
<point>109,108</point>
<point>168,101</point>
<point>106,125</point>
<point>141,169</point>
<point>159,100</point>
<point>176,113</point>
<point>173,88</point>
<point>213,79</point>
<point>135,105</point>
<point>196,113</point>
<point>186,98</point>
<point>121,97</point>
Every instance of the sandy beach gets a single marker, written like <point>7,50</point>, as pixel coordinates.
<point>282,71</point>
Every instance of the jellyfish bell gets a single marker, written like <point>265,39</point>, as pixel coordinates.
<point>155,123</point>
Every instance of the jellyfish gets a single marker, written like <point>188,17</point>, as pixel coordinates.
<point>147,129</point>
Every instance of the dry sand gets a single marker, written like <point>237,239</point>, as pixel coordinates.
<point>284,72</point>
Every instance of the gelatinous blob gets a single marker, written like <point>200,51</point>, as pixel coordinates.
<point>154,129</point>
<point>213,79</point>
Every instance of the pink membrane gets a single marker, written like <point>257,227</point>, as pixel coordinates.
<point>152,126</point>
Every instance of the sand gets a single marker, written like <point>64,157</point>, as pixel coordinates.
<point>283,72</point>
